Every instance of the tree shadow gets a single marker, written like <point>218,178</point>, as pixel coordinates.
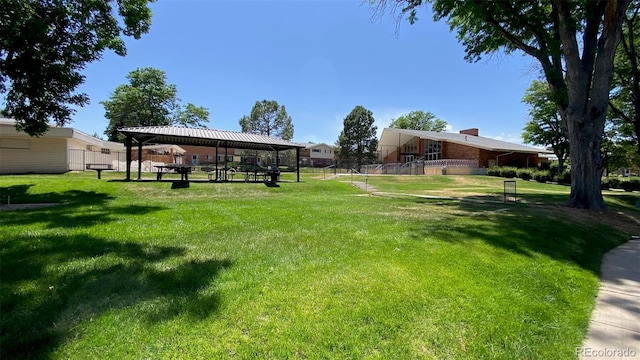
<point>52,285</point>
<point>19,194</point>
<point>524,229</point>
<point>65,214</point>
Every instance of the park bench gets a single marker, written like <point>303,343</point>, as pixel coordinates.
<point>99,168</point>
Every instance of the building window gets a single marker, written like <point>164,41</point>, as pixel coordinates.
<point>209,158</point>
<point>316,150</point>
<point>433,150</point>
<point>411,147</point>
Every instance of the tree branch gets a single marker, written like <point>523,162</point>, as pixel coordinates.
<point>619,112</point>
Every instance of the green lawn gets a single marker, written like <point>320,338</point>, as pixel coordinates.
<point>315,269</point>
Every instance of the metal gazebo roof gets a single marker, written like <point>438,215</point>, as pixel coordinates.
<point>179,135</point>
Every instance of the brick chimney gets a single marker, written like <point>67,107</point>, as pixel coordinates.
<point>472,131</point>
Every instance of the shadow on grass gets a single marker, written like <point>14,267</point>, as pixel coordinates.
<point>20,195</point>
<point>65,215</point>
<point>52,286</point>
<point>523,229</point>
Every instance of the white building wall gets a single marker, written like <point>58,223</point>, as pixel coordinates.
<point>326,152</point>
<point>43,155</point>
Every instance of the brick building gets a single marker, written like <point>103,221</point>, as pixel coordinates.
<point>446,149</point>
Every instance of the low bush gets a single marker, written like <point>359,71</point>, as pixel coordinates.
<point>630,185</point>
<point>493,171</point>
<point>542,176</point>
<point>613,182</point>
<point>525,174</point>
<point>564,178</point>
<point>508,172</point>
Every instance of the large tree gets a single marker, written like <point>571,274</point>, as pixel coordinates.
<point>268,118</point>
<point>357,141</point>
<point>419,120</point>
<point>148,100</point>
<point>574,43</point>
<point>545,126</point>
<point>45,45</point>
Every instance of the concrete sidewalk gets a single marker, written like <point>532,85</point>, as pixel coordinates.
<point>614,331</point>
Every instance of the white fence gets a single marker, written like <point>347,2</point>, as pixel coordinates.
<point>426,167</point>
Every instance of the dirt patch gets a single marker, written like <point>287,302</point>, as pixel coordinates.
<point>9,207</point>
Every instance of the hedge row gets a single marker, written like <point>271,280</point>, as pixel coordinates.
<point>530,174</point>
<point>544,176</point>
<point>616,183</point>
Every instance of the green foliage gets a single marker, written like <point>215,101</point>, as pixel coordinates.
<point>493,171</point>
<point>191,115</point>
<point>268,118</point>
<point>148,101</point>
<point>630,185</point>
<point>542,176</point>
<point>419,120</point>
<point>545,126</point>
<point>624,104</point>
<point>564,178</point>
<point>358,141</point>
<point>525,174</point>
<point>508,172</point>
<point>44,47</point>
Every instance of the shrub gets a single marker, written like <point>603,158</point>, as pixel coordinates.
<point>631,185</point>
<point>542,176</point>
<point>524,174</point>
<point>508,172</point>
<point>614,183</point>
<point>564,178</point>
<point>493,171</point>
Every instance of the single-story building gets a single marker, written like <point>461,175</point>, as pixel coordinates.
<point>63,149</point>
<point>317,155</point>
<point>462,153</point>
<point>54,152</point>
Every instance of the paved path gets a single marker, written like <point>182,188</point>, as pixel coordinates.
<point>364,186</point>
<point>614,332</point>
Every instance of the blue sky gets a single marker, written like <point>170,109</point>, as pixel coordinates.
<point>319,59</point>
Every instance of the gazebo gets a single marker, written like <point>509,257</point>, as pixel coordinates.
<point>179,135</point>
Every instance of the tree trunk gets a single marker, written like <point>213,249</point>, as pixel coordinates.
<point>588,80</point>
<point>586,167</point>
<point>560,163</point>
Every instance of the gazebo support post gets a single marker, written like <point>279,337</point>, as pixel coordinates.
<point>128,157</point>
<point>139,160</point>
<point>298,163</point>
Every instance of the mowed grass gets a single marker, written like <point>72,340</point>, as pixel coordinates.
<point>315,269</point>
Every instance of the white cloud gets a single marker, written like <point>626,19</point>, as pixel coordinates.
<point>512,138</point>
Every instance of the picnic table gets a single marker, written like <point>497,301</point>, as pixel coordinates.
<point>99,168</point>
<point>268,176</point>
<point>219,174</point>
<point>183,170</point>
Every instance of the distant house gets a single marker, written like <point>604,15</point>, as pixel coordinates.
<point>317,155</point>
<point>62,149</point>
<point>464,153</point>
